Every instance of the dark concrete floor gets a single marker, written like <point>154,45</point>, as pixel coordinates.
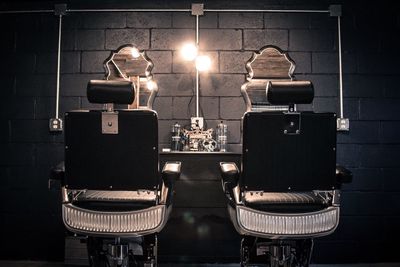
<point>58,264</point>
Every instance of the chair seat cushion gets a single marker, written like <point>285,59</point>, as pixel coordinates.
<point>285,202</point>
<point>102,195</point>
<point>101,200</point>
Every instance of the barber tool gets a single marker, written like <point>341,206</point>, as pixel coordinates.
<point>199,139</point>
<point>209,145</point>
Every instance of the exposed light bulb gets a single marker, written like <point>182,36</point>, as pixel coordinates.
<point>189,51</point>
<point>203,63</point>
<point>135,52</point>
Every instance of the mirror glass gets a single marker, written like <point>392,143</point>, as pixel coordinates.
<point>130,64</point>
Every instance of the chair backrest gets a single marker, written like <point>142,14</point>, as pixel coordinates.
<point>111,149</point>
<point>277,159</point>
<point>127,160</point>
<point>284,150</point>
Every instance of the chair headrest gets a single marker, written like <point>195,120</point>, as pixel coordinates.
<point>290,92</point>
<point>105,92</point>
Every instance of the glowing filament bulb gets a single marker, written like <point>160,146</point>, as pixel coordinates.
<point>189,51</point>
<point>203,63</point>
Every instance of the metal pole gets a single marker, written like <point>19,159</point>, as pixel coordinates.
<point>128,10</point>
<point>170,10</point>
<point>58,66</point>
<point>197,30</point>
<point>25,11</point>
<point>268,10</point>
<point>340,69</point>
<point>197,71</point>
<point>138,92</point>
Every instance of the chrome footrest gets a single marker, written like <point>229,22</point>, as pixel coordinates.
<point>276,225</point>
<point>130,223</point>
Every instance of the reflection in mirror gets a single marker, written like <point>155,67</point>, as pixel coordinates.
<point>269,64</point>
<point>130,64</point>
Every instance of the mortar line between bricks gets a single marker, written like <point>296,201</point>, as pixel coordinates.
<point>150,42</point>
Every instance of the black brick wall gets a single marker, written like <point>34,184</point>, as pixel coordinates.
<point>30,214</point>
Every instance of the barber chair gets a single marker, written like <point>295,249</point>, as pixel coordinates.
<point>112,190</point>
<point>287,191</point>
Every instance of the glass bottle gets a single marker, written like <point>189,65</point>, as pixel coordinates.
<point>222,130</point>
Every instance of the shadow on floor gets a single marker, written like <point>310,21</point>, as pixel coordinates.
<point>60,264</point>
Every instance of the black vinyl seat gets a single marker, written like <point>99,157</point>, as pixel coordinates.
<point>287,189</point>
<point>288,166</point>
<point>112,188</point>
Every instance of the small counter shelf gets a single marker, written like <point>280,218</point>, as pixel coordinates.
<point>199,229</point>
<point>198,153</point>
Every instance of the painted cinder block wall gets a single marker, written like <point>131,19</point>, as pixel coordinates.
<point>30,214</point>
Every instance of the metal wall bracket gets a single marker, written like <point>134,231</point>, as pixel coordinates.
<point>60,9</point>
<point>197,9</point>
<point>292,123</point>
<point>109,122</point>
<point>335,10</point>
<point>336,198</point>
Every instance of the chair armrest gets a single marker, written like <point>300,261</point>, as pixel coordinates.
<point>171,172</point>
<point>230,177</point>
<point>229,173</point>
<point>57,176</point>
<point>343,175</point>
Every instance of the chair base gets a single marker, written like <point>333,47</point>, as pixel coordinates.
<point>288,253</point>
<point>133,252</point>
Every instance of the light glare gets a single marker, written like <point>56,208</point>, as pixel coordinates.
<point>151,85</point>
<point>203,63</point>
<point>135,52</point>
<point>189,51</point>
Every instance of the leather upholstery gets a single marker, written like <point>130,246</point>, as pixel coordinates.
<point>105,92</point>
<point>290,92</point>
<point>282,198</point>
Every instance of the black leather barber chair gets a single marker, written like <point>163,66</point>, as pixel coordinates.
<point>287,191</point>
<point>112,189</point>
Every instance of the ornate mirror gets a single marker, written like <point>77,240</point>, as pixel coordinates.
<point>130,64</point>
<point>269,64</point>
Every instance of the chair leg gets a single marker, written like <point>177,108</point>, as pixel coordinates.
<point>244,253</point>
<point>97,256</point>
<point>303,253</point>
<point>113,253</point>
<point>275,253</point>
<point>281,255</point>
<point>248,252</point>
<point>150,251</point>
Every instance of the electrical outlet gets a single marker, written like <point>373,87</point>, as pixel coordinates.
<point>55,125</point>
<point>197,121</point>
<point>343,125</point>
